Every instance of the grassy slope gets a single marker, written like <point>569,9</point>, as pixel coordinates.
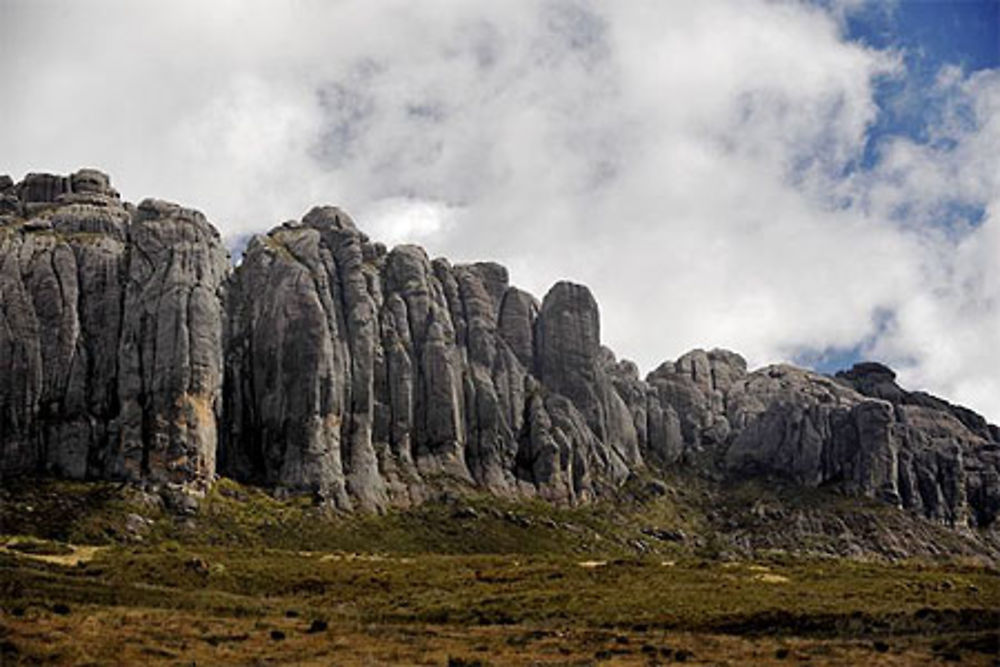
<point>650,575</point>
<point>685,516</point>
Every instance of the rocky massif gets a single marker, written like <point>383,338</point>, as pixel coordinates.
<point>327,364</point>
<point>110,333</point>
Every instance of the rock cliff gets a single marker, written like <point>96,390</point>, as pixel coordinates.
<point>110,333</point>
<point>327,364</point>
<point>359,373</point>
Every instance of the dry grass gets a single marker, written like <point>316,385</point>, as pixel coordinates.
<point>469,581</point>
<point>70,555</point>
<point>103,636</point>
<point>224,606</point>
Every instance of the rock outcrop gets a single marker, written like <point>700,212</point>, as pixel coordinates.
<point>110,333</point>
<point>948,460</point>
<point>327,364</point>
<point>360,374</point>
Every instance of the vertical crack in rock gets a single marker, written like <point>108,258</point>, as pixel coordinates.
<point>83,399</point>
<point>170,347</point>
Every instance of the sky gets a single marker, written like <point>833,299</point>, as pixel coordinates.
<point>806,181</point>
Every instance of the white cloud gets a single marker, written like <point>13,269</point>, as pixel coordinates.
<point>686,160</point>
<point>948,329</point>
<point>398,220</point>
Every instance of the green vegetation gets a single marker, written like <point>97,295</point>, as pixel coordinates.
<point>241,516</point>
<point>466,578</point>
<point>276,243</point>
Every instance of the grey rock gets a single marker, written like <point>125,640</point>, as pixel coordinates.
<point>816,431</point>
<point>879,381</point>
<point>570,362</point>
<point>61,288</point>
<point>170,347</point>
<point>92,181</point>
<point>360,375</point>
<point>180,499</point>
<point>569,342</point>
<point>325,364</point>
<point>285,375</point>
<point>695,387</point>
<point>518,312</point>
<point>78,281</point>
<point>137,526</point>
<point>42,188</point>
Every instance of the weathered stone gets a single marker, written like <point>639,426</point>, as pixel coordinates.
<point>42,188</point>
<point>170,349</point>
<point>814,430</point>
<point>77,291</point>
<point>427,370</point>
<point>285,375</point>
<point>93,182</point>
<point>518,312</point>
<point>324,364</point>
<point>695,387</point>
<point>569,362</point>
<point>874,379</point>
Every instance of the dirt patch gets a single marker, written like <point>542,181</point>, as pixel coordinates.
<point>368,558</point>
<point>71,554</point>
<point>592,564</point>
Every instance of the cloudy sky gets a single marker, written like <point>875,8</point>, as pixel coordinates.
<point>813,181</point>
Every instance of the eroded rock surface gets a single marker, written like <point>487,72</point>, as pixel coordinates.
<point>327,364</point>
<point>110,333</point>
<point>361,375</point>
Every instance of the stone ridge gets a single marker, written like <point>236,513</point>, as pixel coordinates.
<point>327,364</point>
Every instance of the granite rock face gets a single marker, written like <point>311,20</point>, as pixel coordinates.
<point>360,374</point>
<point>110,333</point>
<point>170,346</point>
<point>948,464</point>
<point>326,364</point>
<point>817,430</point>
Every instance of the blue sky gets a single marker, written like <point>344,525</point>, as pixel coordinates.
<point>793,180</point>
<point>929,35</point>
<point>959,32</point>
